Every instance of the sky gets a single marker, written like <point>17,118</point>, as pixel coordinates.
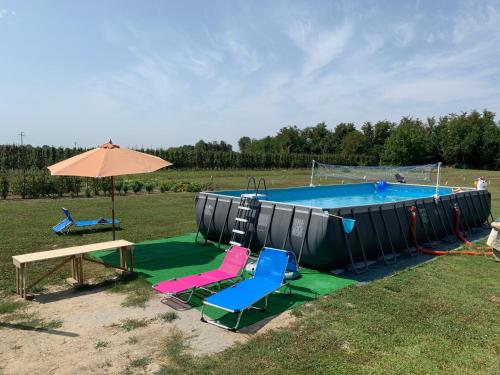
<point>167,73</point>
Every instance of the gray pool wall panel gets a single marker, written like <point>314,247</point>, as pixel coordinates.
<point>380,228</point>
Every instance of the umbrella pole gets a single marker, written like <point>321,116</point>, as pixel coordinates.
<point>113,205</point>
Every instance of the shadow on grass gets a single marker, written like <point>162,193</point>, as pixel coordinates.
<point>81,232</point>
<point>162,256</point>
<point>87,289</point>
<point>69,293</point>
<point>252,320</point>
<point>27,327</point>
<point>380,270</point>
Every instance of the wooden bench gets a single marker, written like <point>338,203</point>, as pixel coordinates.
<point>75,255</point>
<point>494,239</point>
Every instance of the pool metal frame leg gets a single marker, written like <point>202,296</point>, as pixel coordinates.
<point>202,218</point>
<point>356,270</point>
<point>463,223</point>
<point>292,216</point>
<point>304,237</point>
<point>483,195</point>
<point>419,215</point>
<point>472,214</point>
<point>359,240</point>
<point>378,237</point>
<point>430,221</point>
<point>268,232</point>
<point>448,236</point>
<point>480,198</point>
<point>448,218</point>
<point>476,212</point>
<point>409,252</point>
<point>406,211</point>
<point>211,219</point>
<point>225,221</point>
<point>388,233</point>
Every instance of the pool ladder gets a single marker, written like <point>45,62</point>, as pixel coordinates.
<point>247,214</point>
<point>245,222</point>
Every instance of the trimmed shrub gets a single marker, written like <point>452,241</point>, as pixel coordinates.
<point>4,186</point>
<point>165,186</point>
<point>180,186</point>
<point>105,186</point>
<point>149,186</point>
<point>137,186</point>
<point>96,186</point>
<point>119,186</point>
<point>19,184</point>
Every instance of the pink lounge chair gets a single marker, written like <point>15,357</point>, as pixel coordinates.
<point>232,267</point>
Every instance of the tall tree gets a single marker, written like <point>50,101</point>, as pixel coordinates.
<point>408,144</point>
<point>244,143</point>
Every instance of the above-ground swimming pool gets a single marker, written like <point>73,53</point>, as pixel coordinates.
<point>335,196</point>
<point>299,219</point>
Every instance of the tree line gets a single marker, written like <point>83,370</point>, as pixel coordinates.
<point>466,139</point>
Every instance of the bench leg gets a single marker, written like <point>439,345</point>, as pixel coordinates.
<point>126,258</point>
<point>22,280</point>
<point>122,258</point>
<point>73,268</point>
<point>77,270</point>
<point>18,289</point>
<point>81,278</point>
<point>131,257</point>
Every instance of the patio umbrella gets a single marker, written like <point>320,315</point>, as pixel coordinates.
<point>108,160</point>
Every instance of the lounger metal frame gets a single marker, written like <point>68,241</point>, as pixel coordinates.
<point>176,296</point>
<point>217,323</point>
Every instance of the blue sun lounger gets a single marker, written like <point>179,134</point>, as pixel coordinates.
<point>65,224</point>
<point>269,277</point>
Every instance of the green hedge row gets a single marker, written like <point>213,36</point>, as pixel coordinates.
<point>29,157</point>
<point>35,183</point>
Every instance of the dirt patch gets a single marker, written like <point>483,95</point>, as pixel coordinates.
<point>92,337</point>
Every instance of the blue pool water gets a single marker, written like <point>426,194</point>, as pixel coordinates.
<point>336,196</point>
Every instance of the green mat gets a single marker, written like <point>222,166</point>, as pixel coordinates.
<point>179,256</point>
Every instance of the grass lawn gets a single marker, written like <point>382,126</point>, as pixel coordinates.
<point>442,317</point>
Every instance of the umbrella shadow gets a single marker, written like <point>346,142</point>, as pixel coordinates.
<point>81,232</point>
<point>27,327</point>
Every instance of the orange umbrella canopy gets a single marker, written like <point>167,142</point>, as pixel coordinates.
<point>106,161</point>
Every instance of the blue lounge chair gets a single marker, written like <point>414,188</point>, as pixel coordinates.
<point>269,277</point>
<point>65,224</point>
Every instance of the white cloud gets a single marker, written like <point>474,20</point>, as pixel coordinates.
<point>320,47</point>
<point>247,58</point>
<point>476,19</point>
<point>298,68</point>
<point>404,34</point>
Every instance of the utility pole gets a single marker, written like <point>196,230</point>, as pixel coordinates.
<point>22,135</point>
<point>21,161</point>
<point>76,145</point>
